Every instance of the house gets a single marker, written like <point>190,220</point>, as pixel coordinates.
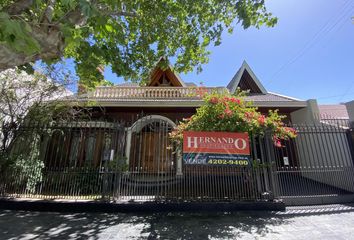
<point>158,106</point>
<point>124,149</point>
<point>167,94</point>
<point>148,113</point>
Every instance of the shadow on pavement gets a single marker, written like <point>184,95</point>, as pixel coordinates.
<point>45,225</point>
<point>174,225</point>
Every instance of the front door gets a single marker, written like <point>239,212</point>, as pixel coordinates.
<point>151,150</point>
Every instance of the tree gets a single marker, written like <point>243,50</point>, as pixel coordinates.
<point>128,35</point>
<point>28,97</point>
<point>28,104</point>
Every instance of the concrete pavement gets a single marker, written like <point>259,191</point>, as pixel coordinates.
<point>326,222</point>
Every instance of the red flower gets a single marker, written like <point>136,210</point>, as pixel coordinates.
<point>221,116</point>
<point>226,99</point>
<point>261,119</point>
<point>228,112</point>
<point>277,141</point>
<point>235,100</point>
<point>290,130</point>
<point>249,115</point>
<point>201,91</point>
<point>214,100</point>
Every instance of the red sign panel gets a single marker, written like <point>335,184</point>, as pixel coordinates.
<point>216,142</point>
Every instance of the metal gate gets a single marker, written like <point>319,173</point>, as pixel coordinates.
<point>155,171</point>
<point>316,167</point>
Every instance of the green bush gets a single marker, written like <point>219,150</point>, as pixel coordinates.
<point>232,113</point>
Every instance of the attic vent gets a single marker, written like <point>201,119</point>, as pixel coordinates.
<point>245,79</point>
<point>247,83</point>
<point>165,77</point>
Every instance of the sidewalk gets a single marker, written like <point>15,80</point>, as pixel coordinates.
<point>321,222</point>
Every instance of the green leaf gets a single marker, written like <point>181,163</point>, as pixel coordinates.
<point>85,7</point>
<point>71,4</point>
<point>132,36</point>
<point>4,16</point>
<point>109,28</point>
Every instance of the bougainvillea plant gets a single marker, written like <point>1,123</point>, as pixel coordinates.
<point>232,113</point>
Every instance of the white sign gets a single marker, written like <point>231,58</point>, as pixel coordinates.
<point>286,161</point>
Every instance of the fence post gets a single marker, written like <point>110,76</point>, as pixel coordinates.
<point>256,171</point>
<point>274,186</point>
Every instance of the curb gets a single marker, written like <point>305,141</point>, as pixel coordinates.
<point>91,206</point>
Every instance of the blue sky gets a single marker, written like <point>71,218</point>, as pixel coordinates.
<point>308,54</point>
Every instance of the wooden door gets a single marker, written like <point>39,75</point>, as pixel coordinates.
<point>149,161</point>
<point>155,156</point>
<point>150,152</point>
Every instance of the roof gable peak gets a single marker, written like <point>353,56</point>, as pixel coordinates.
<point>163,75</point>
<point>245,79</point>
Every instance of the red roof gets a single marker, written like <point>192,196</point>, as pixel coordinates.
<point>333,111</point>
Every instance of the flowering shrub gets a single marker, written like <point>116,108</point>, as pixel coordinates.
<point>231,113</point>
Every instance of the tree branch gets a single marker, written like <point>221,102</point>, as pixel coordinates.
<point>124,14</point>
<point>18,7</point>
<point>51,43</point>
<point>104,10</point>
<point>48,13</point>
<point>75,17</point>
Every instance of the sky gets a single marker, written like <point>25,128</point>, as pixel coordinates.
<point>309,54</point>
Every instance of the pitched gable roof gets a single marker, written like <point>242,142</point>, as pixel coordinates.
<point>165,77</point>
<point>245,79</point>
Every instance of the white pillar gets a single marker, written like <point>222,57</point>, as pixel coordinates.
<point>128,143</point>
<point>179,162</point>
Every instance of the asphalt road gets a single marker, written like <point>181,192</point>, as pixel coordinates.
<point>336,222</point>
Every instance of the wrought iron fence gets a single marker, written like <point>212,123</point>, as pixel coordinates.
<point>195,184</point>
<point>319,163</point>
<point>136,161</point>
<point>218,185</point>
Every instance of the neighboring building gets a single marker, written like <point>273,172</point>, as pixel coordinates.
<point>334,111</point>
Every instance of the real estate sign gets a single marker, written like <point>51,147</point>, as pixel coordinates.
<point>216,148</point>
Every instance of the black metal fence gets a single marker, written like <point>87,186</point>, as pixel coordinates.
<point>195,184</point>
<point>63,160</point>
<point>136,161</point>
<point>317,166</point>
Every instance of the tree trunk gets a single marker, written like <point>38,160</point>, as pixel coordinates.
<point>50,40</point>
